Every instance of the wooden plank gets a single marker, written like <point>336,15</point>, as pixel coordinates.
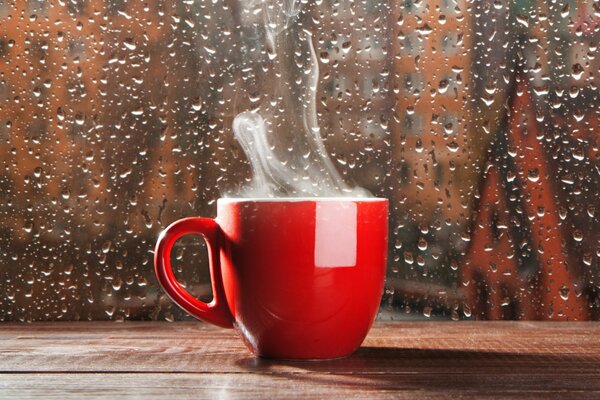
<point>197,347</point>
<point>291,386</point>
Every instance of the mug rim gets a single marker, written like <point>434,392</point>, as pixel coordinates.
<point>299,199</point>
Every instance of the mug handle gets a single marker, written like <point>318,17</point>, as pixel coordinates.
<point>216,312</point>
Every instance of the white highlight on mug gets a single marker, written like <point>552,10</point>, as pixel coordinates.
<point>335,234</point>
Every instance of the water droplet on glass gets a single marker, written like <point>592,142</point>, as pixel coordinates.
<point>106,246</point>
<point>466,311</point>
<point>197,104</point>
<point>523,20</point>
<point>564,292</point>
<point>129,44</point>
<point>443,86</point>
<point>453,147</point>
<point>533,175</point>
<point>324,57</point>
<point>577,71</point>
<point>346,47</point>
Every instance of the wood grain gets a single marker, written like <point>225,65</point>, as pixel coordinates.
<point>398,360</point>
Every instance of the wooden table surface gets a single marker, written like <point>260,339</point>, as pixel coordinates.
<point>409,360</point>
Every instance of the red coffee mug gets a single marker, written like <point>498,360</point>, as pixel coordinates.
<point>299,278</point>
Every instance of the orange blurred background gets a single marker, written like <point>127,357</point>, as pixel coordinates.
<point>479,121</point>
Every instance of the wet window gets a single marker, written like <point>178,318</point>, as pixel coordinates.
<point>478,121</point>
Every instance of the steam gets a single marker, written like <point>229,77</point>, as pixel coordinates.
<point>287,122</point>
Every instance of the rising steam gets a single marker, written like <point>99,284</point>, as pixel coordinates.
<point>287,123</point>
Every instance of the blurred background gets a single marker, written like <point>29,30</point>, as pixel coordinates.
<point>479,120</point>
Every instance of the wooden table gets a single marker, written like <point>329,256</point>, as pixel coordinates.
<point>409,360</point>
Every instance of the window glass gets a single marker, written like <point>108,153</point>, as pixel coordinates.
<point>479,122</point>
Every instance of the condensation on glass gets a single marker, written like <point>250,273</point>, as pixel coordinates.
<point>479,120</point>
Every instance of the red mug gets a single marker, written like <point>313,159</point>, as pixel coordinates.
<point>299,278</point>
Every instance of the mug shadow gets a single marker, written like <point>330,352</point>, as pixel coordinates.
<point>383,368</point>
